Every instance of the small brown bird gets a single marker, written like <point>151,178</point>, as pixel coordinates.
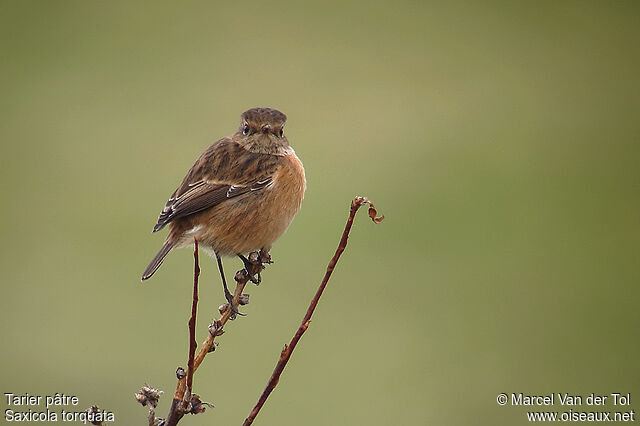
<point>239,196</point>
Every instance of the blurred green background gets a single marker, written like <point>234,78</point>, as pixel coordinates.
<point>501,141</point>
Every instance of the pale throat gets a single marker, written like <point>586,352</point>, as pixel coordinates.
<point>267,144</point>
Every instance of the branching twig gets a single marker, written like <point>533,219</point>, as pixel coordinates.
<point>288,349</point>
<point>183,400</point>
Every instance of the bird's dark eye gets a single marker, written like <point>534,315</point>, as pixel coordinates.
<point>281,133</point>
<point>245,129</point>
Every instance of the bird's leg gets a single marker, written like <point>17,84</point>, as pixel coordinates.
<point>249,266</point>
<point>227,293</point>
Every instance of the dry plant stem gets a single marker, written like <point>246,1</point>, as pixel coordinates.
<point>179,405</point>
<point>192,321</point>
<point>288,349</point>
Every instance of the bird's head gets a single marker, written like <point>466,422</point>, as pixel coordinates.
<point>261,130</point>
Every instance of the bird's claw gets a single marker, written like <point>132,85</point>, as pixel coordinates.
<point>257,280</point>
<point>234,309</point>
<point>249,266</point>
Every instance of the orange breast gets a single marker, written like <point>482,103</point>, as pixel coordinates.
<point>255,220</point>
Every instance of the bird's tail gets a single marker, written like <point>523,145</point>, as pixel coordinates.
<point>157,261</point>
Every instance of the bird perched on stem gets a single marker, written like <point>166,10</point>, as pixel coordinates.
<point>239,196</point>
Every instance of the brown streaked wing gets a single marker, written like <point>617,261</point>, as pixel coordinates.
<point>203,196</point>
<point>198,198</point>
<point>223,171</point>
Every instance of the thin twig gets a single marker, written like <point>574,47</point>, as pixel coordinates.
<point>288,349</point>
<point>192,321</point>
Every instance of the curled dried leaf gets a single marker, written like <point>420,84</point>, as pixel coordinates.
<point>198,406</point>
<point>215,328</point>
<point>148,396</point>
<point>373,213</point>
